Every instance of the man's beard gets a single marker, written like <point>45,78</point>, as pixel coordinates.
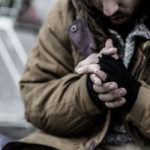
<point>116,16</point>
<point>123,28</point>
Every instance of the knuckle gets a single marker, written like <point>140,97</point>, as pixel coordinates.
<point>96,60</point>
<point>96,70</point>
<point>114,84</point>
<point>95,88</point>
<point>102,75</point>
<point>114,95</point>
<point>98,82</point>
<point>92,77</point>
<point>111,85</point>
<point>97,67</point>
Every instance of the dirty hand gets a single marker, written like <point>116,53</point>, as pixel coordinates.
<point>108,93</point>
<point>90,64</point>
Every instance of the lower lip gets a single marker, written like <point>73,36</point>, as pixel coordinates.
<point>118,21</point>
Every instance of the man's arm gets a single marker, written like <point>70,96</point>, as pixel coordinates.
<point>140,112</point>
<point>56,99</point>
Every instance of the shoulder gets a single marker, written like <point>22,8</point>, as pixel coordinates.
<point>61,15</point>
<point>58,20</point>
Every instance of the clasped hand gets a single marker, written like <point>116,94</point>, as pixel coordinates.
<point>108,92</point>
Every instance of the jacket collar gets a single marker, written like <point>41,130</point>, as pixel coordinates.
<point>82,37</point>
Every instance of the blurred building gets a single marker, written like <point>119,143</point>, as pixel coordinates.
<point>19,22</point>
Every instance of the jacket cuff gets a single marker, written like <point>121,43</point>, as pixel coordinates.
<point>139,114</point>
<point>93,95</point>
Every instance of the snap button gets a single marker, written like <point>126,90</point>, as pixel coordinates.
<point>91,45</point>
<point>74,28</point>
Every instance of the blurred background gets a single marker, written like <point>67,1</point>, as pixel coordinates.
<point>20,21</point>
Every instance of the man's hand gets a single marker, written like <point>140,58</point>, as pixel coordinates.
<point>116,71</point>
<point>108,92</point>
<point>89,65</point>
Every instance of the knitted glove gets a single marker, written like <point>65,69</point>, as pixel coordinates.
<point>117,72</point>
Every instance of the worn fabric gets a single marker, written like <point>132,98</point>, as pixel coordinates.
<point>56,98</point>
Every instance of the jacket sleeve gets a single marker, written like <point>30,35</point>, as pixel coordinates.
<point>139,115</point>
<point>56,99</point>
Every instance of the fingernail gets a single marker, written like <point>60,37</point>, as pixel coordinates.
<point>112,86</point>
<point>123,101</point>
<point>121,92</point>
<point>79,70</point>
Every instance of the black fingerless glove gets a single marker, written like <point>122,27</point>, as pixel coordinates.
<point>117,72</point>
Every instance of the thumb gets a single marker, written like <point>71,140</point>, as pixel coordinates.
<point>109,43</point>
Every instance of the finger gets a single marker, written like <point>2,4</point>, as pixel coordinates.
<point>94,69</point>
<point>110,51</point>
<point>117,103</point>
<point>100,74</point>
<point>115,56</point>
<point>88,61</point>
<point>109,43</point>
<point>97,81</point>
<point>92,59</point>
<point>105,88</point>
<point>110,96</point>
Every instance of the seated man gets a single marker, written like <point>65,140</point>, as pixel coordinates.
<point>86,85</point>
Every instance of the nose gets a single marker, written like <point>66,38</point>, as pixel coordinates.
<point>109,7</point>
